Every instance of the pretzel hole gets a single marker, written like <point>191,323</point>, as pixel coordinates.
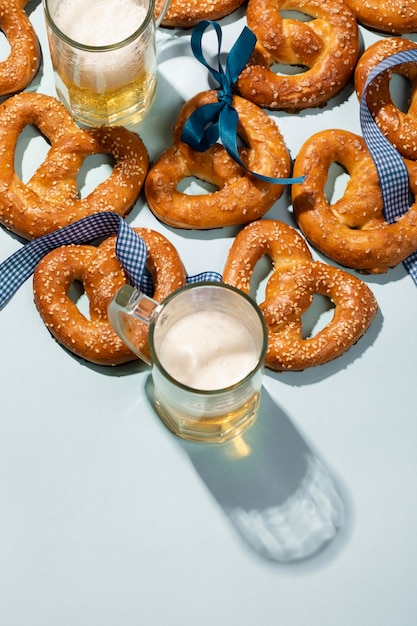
<point>260,276</point>
<point>193,186</point>
<point>77,294</point>
<point>296,15</point>
<point>317,316</point>
<point>5,47</point>
<point>95,169</point>
<point>281,69</point>
<point>337,179</point>
<point>31,150</point>
<point>313,320</point>
<point>400,88</point>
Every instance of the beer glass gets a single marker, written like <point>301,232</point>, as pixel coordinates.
<point>104,58</point>
<point>207,344</point>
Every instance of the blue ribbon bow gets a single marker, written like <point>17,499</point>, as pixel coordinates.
<point>392,172</point>
<point>219,120</point>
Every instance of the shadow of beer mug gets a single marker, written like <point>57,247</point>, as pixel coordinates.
<point>276,492</point>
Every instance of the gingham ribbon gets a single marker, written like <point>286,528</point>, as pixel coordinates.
<point>219,120</point>
<point>130,250</point>
<point>392,172</point>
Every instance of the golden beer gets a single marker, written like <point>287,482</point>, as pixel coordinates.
<point>210,429</point>
<point>124,105</point>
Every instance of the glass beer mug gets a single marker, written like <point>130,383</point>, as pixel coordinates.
<point>207,344</point>
<point>104,57</point>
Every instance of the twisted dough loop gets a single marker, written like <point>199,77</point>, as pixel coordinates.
<point>399,127</point>
<point>101,274</point>
<point>390,16</point>
<point>352,230</point>
<point>187,13</point>
<point>50,199</point>
<point>22,63</point>
<point>240,197</point>
<point>289,293</point>
<point>328,46</point>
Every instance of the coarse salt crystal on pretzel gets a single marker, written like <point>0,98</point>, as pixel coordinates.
<point>352,230</point>
<point>101,274</point>
<point>50,199</point>
<point>22,63</point>
<point>239,196</point>
<point>188,13</point>
<point>327,47</point>
<point>400,127</point>
<point>289,292</point>
<point>389,16</point>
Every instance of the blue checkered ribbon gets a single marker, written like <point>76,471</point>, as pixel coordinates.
<point>219,120</point>
<point>130,250</point>
<point>392,172</point>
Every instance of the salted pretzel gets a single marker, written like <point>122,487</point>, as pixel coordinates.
<point>239,196</point>
<point>22,63</point>
<point>50,199</point>
<point>397,17</point>
<point>289,292</point>
<point>187,13</point>
<point>327,46</point>
<point>101,275</point>
<point>352,230</point>
<point>399,127</point>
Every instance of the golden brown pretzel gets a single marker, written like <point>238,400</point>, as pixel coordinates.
<point>22,63</point>
<point>289,293</point>
<point>397,17</point>
<point>187,13</point>
<point>50,199</point>
<point>101,274</point>
<point>240,197</point>
<point>328,46</point>
<point>352,230</point>
<point>398,126</point>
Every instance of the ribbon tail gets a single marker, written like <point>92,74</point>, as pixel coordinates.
<point>410,264</point>
<point>15,270</point>
<point>240,54</point>
<point>206,277</point>
<point>228,123</point>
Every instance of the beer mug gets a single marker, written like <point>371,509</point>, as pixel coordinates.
<point>104,58</point>
<point>207,344</point>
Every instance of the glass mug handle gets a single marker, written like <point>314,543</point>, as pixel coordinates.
<point>129,301</point>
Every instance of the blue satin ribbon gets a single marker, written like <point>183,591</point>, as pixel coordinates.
<point>219,120</point>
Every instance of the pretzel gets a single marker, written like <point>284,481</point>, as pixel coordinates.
<point>50,199</point>
<point>352,230</point>
<point>400,128</point>
<point>328,46</point>
<point>101,274</point>
<point>289,293</point>
<point>239,196</point>
<point>22,63</point>
<point>397,17</point>
<point>187,13</point>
